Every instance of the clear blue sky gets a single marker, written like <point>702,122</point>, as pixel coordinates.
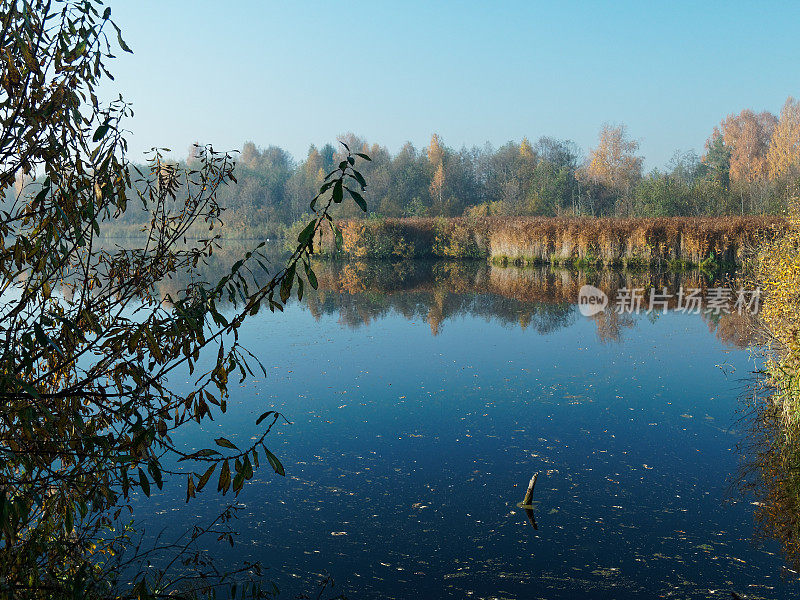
<point>296,73</point>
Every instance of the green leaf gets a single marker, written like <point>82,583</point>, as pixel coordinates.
<point>359,199</point>
<point>360,179</point>
<point>238,482</point>
<point>80,49</point>
<point>42,193</point>
<point>144,483</point>
<point>122,43</point>
<point>312,277</point>
<point>100,133</point>
<point>338,194</point>
<point>206,476</point>
<point>275,463</point>
<point>264,416</point>
<point>286,284</point>
<point>190,489</point>
<point>224,478</point>
<point>338,235</point>
<point>305,235</point>
<point>364,156</point>
<point>155,472</point>
<point>225,443</point>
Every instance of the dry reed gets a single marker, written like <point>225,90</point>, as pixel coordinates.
<point>564,241</point>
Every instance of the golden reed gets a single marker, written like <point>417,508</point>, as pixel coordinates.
<point>688,241</point>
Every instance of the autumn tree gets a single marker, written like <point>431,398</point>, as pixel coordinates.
<point>436,189</point>
<point>783,156</point>
<point>250,155</point>
<point>436,151</point>
<point>613,164</point>
<point>526,150</point>
<point>437,185</point>
<point>747,136</point>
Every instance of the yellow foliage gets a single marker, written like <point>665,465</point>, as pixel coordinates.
<point>613,162</point>
<point>783,156</point>
<point>435,150</point>
<point>437,184</point>
<point>777,273</point>
<point>525,149</point>
<point>748,137</point>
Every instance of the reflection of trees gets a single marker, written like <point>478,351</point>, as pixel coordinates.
<point>540,298</point>
<point>610,325</point>
<point>739,330</point>
<point>772,472</point>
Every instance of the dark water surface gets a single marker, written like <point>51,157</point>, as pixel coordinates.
<point>420,410</point>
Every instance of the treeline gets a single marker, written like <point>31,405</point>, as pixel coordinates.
<point>750,165</point>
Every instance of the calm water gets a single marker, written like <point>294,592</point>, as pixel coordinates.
<point>421,404</point>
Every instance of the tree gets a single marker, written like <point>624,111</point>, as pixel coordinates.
<point>437,185</point>
<point>250,155</point>
<point>87,412</point>
<point>718,160</point>
<point>561,153</point>
<point>747,138</point>
<point>436,151</point>
<point>525,149</point>
<point>783,156</point>
<point>408,174</point>
<point>747,135</point>
<point>613,162</point>
<point>660,195</point>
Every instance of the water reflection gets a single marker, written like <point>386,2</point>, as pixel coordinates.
<point>635,445</point>
<point>771,472</point>
<point>542,299</point>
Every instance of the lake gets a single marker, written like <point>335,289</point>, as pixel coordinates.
<point>423,397</point>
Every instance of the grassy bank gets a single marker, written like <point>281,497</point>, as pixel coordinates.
<point>674,242</point>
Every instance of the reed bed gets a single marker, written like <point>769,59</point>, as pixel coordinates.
<point>674,241</point>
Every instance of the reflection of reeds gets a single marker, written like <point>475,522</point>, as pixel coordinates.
<point>541,297</point>
<point>564,241</point>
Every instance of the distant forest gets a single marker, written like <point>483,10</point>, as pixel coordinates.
<point>750,165</point>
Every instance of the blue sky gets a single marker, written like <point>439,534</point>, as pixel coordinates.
<point>296,73</point>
